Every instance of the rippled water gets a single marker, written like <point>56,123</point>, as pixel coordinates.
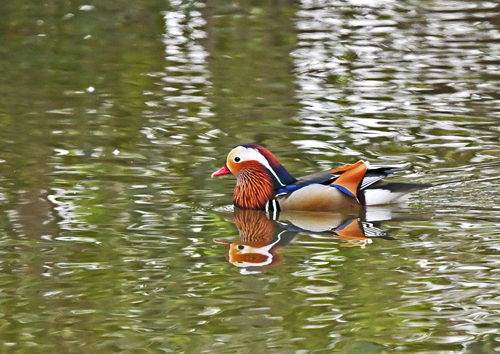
<point>114,238</point>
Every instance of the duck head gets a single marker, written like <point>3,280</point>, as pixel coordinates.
<point>258,175</point>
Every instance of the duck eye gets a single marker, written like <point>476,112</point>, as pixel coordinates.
<point>237,159</point>
<point>240,247</point>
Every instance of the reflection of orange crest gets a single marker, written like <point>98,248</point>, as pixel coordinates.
<point>246,256</point>
<point>255,247</point>
<point>354,232</point>
<point>351,231</point>
<point>254,227</point>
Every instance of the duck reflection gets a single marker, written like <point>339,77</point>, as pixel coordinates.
<point>260,237</point>
<point>259,240</point>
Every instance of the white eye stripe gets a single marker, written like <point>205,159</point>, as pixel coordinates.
<point>248,154</point>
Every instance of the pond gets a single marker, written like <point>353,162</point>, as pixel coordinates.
<point>114,238</point>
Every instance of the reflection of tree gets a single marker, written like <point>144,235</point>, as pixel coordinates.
<point>59,133</point>
<point>251,68</point>
<point>60,179</point>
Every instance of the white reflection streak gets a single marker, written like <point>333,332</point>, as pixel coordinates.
<point>187,71</point>
<point>65,208</point>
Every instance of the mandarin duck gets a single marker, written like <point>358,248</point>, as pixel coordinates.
<point>262,183</point>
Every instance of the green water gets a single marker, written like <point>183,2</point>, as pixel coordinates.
<point>114,238</point>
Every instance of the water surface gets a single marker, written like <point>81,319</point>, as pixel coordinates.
<point>114,238</point>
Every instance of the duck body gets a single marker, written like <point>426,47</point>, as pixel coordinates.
<point>263,183</point>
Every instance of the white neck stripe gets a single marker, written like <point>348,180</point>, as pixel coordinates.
<point>264,161</point>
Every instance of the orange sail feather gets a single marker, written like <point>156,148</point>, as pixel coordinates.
<point>351,177</point>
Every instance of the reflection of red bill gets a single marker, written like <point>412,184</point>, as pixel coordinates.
<point>223,242</point>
